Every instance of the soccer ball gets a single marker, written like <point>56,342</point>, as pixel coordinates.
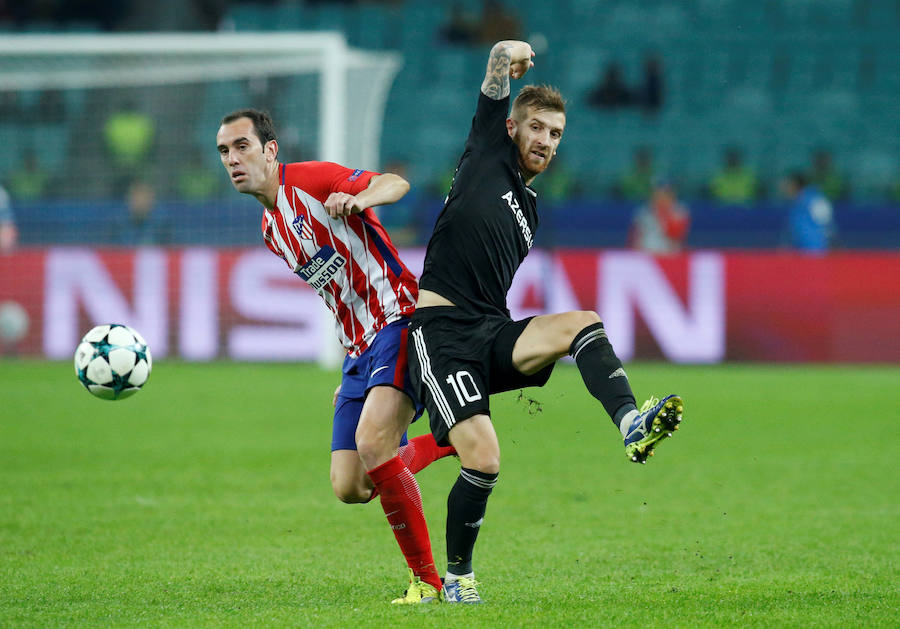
<point>113,361</point>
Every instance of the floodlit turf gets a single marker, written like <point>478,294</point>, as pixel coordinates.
<point>204,501</point>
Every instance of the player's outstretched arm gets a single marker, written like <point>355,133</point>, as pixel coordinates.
<point>382,190</point>
<point>508,59</point>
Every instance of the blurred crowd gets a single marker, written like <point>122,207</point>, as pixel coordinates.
<point>127,139</point>
<point>661,220</point>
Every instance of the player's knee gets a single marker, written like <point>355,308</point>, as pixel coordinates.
<point>488,465</point>
<point>375,446</point>
<point>366,443</point>
<point>580,319</point>
<point>350,493</point>
<point>571,324</point>
<point>349,489</point>
<point>481,458</point>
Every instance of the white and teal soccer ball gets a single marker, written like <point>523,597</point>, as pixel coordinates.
<point>113,361</point>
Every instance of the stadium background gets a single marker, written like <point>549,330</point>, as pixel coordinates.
<point>204,500</point>
<point>778,82</point>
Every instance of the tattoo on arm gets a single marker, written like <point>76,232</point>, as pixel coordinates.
<point>496,79</point>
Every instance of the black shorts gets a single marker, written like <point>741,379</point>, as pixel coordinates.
<point>458,359</point>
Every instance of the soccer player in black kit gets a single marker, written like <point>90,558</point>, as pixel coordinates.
<point>464,344</point>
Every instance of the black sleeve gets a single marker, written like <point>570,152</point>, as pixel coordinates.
<point>489,124</point>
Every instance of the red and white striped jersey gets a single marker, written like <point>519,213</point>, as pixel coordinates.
<point>350,261</point>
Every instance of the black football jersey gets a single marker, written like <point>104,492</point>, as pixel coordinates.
<point>488,222</point>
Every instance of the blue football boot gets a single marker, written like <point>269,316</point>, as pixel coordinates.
<point>657,419</point>
<point>461,590</point>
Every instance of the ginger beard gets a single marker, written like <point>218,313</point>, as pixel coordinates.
<point>537,135</point>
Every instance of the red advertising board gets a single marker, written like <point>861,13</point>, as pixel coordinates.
<point>203,303</point>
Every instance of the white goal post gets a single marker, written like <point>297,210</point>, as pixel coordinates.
<point>58,94</point>
<point>147,59</point>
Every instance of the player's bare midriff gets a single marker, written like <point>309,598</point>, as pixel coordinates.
<point>429,298</point>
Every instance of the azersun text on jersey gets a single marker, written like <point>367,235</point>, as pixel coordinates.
<point>488,222</point>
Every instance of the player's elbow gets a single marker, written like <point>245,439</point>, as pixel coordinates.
<point>401,185</point>
<point>393,186</point>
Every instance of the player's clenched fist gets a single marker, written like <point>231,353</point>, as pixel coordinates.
<point>340,204</point>
<point>521,56</point>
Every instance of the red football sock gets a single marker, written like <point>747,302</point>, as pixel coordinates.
<point>402,504</point>
<point>419,453</point>
<point>422,451</point>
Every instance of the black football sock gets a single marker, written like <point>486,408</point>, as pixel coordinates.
<point>466,506</point>
<point>602,371</point>
<point>622,413</point>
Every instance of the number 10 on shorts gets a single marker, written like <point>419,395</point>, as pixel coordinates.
<point>464,387</point>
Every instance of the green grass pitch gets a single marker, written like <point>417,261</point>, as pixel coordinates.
<point>204,501</point>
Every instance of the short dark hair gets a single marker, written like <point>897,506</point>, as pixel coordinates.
<point>262,123</point>
<point>541,97</point>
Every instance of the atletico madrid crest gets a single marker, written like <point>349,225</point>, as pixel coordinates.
<point>303,228</point>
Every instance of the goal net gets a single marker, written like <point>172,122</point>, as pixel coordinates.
<point>117,190</point>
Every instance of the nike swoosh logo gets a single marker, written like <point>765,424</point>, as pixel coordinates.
<point>377,370</point>
<point>387,515</point>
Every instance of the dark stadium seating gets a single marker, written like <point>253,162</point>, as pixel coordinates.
<point>777,79</point>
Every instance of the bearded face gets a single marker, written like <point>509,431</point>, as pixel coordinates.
<point>537,135</point>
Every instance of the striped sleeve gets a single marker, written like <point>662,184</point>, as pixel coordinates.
<point>320,179</point>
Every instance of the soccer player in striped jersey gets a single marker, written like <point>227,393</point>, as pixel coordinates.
<point>318,218</point>
<point>464,344</point>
